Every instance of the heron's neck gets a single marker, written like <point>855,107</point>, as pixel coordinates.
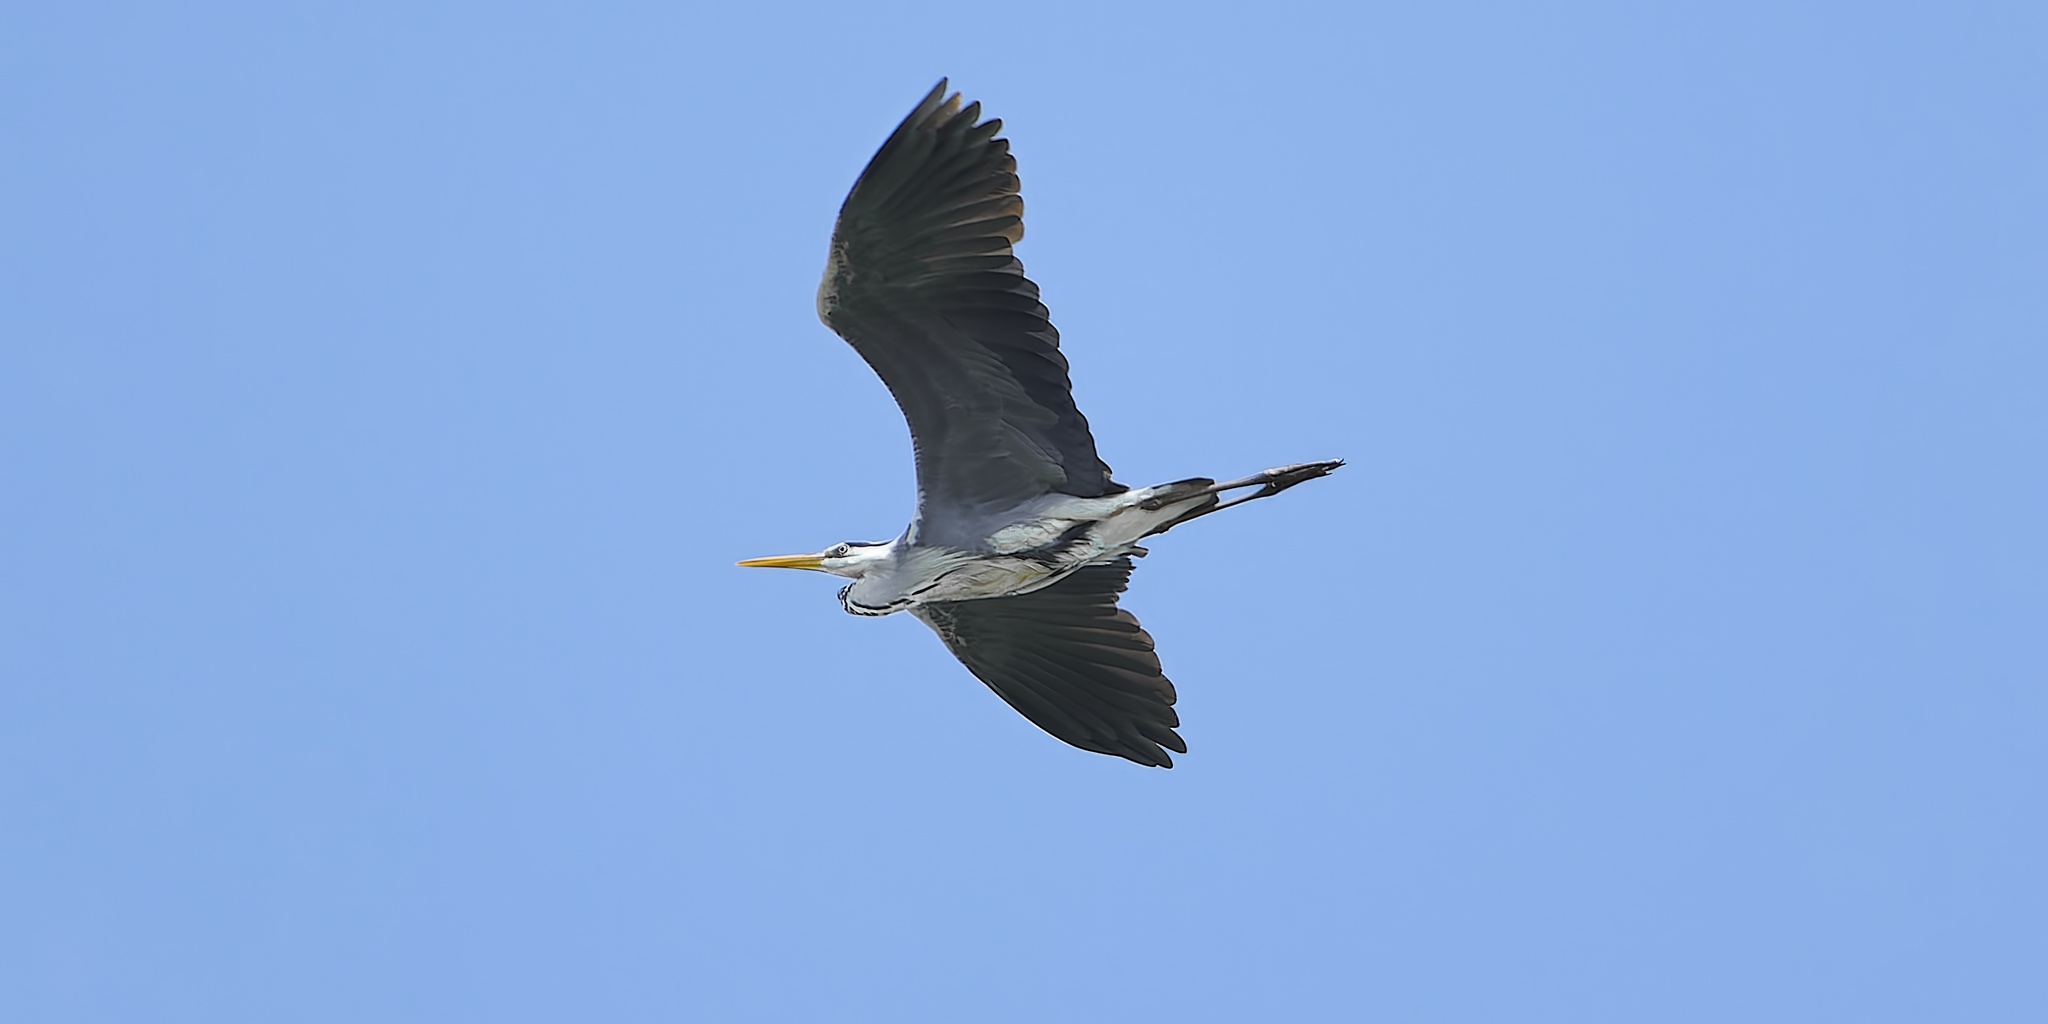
<point>895,579</point>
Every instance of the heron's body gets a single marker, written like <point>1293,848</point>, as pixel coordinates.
<point>1027,549</point>
<point>1022,539</point>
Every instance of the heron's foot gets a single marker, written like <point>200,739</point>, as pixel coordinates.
<point>1273,481</point>
<point>1277,480</point>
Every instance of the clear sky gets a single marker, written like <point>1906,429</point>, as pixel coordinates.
<point>386,391</point>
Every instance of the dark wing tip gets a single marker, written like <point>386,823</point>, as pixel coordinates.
<point>933,102</point>
<point>922,278</point>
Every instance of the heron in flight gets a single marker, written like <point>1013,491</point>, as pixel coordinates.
<point>1022,541</point>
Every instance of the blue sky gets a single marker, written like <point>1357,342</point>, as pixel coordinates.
<point>387,389</point>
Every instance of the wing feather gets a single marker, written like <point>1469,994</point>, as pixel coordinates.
<point>1071,661</point>
<point>923,283</point>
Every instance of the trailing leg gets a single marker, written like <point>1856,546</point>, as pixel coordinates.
<point>1269,483</point>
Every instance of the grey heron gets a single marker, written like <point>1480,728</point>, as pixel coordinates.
<point>1021,541</point>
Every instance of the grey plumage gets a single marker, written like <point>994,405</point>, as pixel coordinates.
<point>922,282</point>
<point>1022,541</point>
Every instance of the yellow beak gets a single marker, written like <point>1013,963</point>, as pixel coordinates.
<point>786,562</point>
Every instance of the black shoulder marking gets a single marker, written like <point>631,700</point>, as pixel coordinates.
<point>1058,554</point>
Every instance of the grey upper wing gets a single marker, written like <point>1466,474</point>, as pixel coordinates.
<point>1071,661</point>
<point>923,283</point>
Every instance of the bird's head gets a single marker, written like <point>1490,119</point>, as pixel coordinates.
<point>851,559</point>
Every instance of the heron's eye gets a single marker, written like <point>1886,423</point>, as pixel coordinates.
<point>840,550</point>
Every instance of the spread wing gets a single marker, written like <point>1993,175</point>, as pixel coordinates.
<point>1071,661</point>
<point>922,282</point>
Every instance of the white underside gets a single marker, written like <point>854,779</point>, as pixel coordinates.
<point>925,575</point>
